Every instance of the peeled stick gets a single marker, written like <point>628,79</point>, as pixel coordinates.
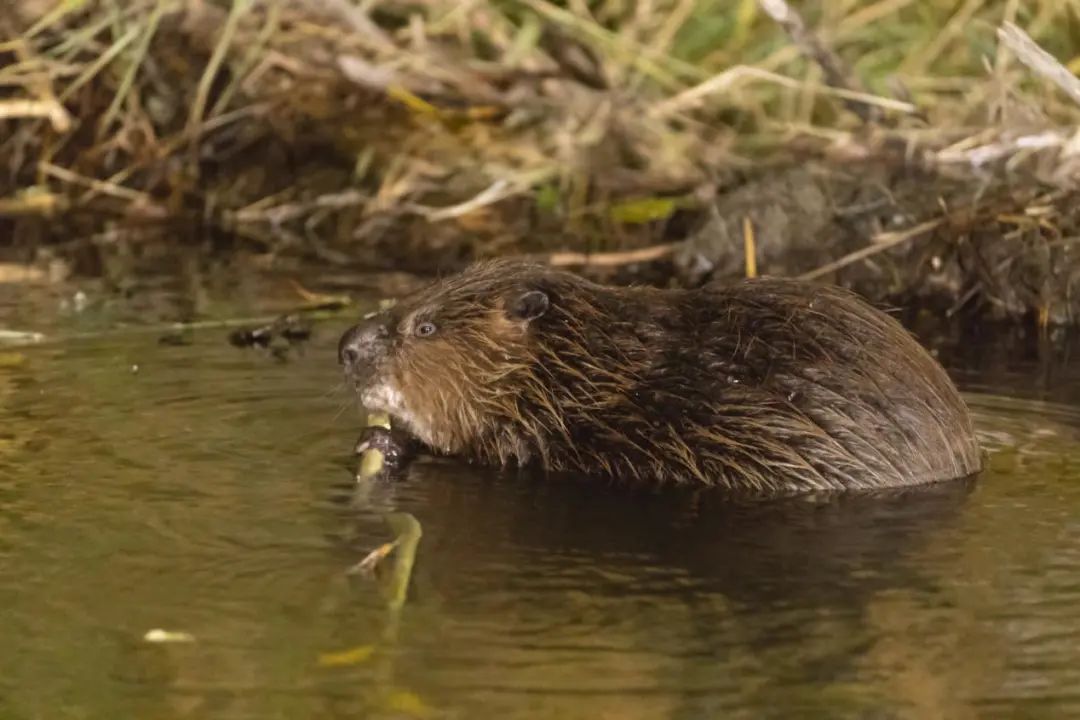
<point>372,459</point>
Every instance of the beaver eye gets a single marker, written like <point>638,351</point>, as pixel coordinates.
<point>425,329</point>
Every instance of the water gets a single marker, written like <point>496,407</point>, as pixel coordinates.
<point>208,490</point>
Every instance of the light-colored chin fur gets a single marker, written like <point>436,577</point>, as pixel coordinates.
<point>382,396</point>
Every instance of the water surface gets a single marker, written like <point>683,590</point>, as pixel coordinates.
<point>208,489</point>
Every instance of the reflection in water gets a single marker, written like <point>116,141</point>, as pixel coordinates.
<point>684,593</point>
<point>208,490</point>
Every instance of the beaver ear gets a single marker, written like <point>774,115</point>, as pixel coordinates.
<point>529,305</point>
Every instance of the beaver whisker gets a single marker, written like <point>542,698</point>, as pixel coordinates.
<point>341,410</point>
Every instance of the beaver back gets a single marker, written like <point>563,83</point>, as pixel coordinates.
<point>765,384</point>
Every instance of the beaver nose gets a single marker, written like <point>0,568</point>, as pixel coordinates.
<point>360,343</point>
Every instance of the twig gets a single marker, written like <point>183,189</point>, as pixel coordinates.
<point>280,214</point>
<point>611,259</point>
<point>51,18</point>
<point>982,154</point>
<point>81,37</point>
<point>33,203</point>
<point>836,74</point>
<point>749,247</point>
<point>96,67</point>
<point>1042,62</point>
<point>365,74</point>
<point>372,559</point>
<point>725,80</point>
<point>495,192</point>
<point>51,109</point>
<point>881,243</point>
<point>145,202</point>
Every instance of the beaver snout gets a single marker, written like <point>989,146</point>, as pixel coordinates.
<point>362,344</point>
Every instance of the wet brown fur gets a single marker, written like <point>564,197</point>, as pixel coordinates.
<point>765,385</point>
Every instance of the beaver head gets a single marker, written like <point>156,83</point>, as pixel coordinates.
<point>456,362</point>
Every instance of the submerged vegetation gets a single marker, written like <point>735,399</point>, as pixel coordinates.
<point>915,150</point>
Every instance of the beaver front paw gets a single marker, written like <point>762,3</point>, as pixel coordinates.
<point>394,447</point>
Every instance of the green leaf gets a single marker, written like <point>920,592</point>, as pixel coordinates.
<point>547,198</point>
<point>643,210</point>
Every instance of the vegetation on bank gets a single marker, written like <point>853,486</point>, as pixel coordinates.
<point>418,134</point>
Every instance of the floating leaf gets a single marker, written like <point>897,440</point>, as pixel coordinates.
<point>403,701</point>
<point>355,656</point>
<point>17,337</point>
<point>157,635</point>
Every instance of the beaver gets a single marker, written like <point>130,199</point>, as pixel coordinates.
<point>766,385</point>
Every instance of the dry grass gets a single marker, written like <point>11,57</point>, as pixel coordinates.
<point>387,131</point>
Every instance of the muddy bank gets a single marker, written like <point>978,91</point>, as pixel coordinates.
<point>898,236</point>
<point>974,247</point>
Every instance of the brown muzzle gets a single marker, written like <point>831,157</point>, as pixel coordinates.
<point>362,345</point>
